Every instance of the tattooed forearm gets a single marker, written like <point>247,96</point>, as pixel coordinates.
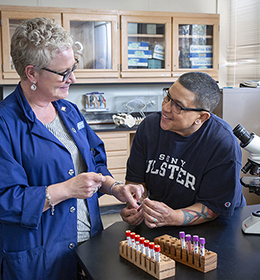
<point>191,216</point>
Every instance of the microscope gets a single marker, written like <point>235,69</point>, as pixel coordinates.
<point>251,143</point>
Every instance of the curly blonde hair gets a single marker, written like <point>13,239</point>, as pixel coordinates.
<point>35,42</point>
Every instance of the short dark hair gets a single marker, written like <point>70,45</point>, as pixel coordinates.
<point>205,88</point>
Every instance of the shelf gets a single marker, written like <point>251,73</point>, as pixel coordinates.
<point>96,110</point>
<point>195,36</point>
<point>147,35</point>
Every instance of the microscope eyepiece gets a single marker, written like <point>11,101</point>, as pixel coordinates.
<point>242,134</point>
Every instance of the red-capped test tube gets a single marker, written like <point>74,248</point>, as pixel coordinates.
<point>142,239</point>
<point>196,244</point>
<point>202,246</point>
<point>146,247</point>
<point>128,238</point>
<point>137,242</point>
<point>157,249</point>
<point>151,249</point>
<point>188,242</point>
<point>182,238</point>
<point>132,235</point>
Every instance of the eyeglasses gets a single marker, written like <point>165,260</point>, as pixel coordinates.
<point>66,73</point>
<point>175,106</point>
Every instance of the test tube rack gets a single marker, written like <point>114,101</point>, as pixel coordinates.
<point>171,247</point>
<point>160,270</point>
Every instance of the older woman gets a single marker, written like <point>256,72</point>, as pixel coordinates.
<point>53,166</point>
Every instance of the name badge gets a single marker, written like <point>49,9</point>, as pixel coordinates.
<point>80,125</point>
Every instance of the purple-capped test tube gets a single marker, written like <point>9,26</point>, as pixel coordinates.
<point>182,238</point>
<point>188,242</point>
<point>196,244</point>
<point>202,246</point>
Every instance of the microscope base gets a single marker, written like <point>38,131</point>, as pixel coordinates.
<point>251,225</point>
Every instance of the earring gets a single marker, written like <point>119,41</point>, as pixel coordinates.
<point>197,121</point>
<point>33,86</point>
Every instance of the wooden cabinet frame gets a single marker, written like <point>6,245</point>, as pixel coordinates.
<point>8,73</point>
<point>192,19</point>
<point>119,41</point>
<point>84,74</point>
<point>144,73</point>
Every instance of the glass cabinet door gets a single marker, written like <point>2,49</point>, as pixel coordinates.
<point>10,20</point>
<point>146,45</point>
<point>96,40</point>
<point>195,45</point>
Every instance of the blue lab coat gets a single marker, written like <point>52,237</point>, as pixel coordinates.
<point>33,244</point>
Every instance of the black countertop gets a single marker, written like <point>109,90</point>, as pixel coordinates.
<point>103,122</point>
<point>111,127</point>
<point>238,253</point>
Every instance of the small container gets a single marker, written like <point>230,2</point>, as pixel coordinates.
<point>137,242</point>
<point>128,238</point>
<point>146,246</point>
<point>188,242</point>
<point>196,244</point>
<point>151,249</point>
<point>202,246</point>
<point>182,238</point>
<point>133,239</point>
<point>142,239</point>
<point>157,249</point>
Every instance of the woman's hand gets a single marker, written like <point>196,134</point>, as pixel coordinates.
<point>130,193</point>
<point>85,184</point>
<point>82,186</point>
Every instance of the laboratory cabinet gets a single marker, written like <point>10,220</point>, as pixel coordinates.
<point>116,46</point>
<point>145,46</point>
<point>195,44</point>
<point>10,20</point>
<point>96,38</point>
<point>163,46</point>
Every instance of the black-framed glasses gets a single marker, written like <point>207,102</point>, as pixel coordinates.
<point>177,108</point>
<point>66,73</point>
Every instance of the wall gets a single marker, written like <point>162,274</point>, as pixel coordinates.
<point>222,9</point>
<point>241,106</point>
<point>192,6</point>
